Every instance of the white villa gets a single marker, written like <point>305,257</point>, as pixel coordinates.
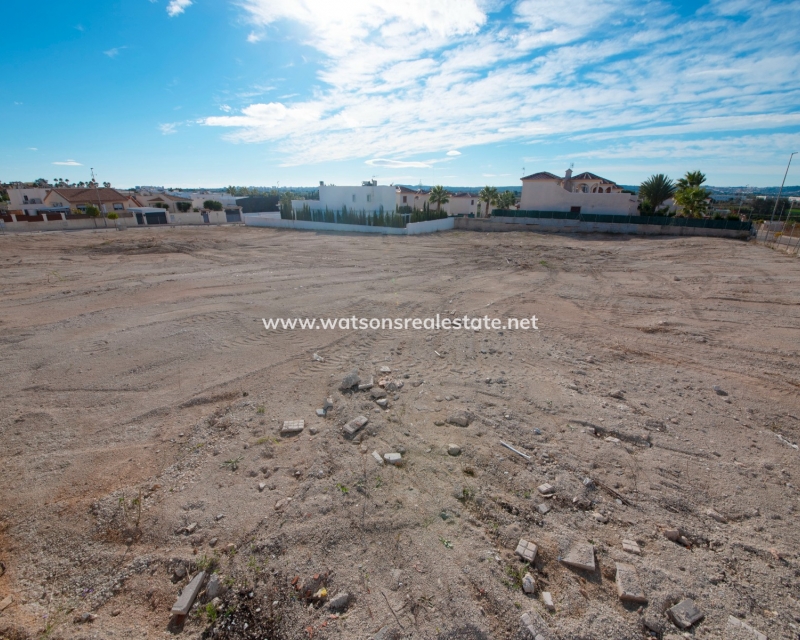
<point>369,197</point>
<point>582,193</point>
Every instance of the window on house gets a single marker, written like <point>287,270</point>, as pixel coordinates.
<point>472,202</point>
<point>405,199</point>
<point>354,197</point>
<point>25,199</point>
<point>369,197</point>
<point>118,206</point>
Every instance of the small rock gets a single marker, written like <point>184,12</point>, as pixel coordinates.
<point>116,612</point>
<point>213,542</point>
<point>528,584</point>
<point>735,623</point>
<point>261,486</point>
<point>453,450</point>
<point>230,548</point>
<point>631,546</point>
<point>526,550</point>
<point>543,508</point>
<point>588,483</point>
<point>396,579</point>
<point>350,381</point>
<point>546,489</point>
<point>219,517</point>
<point>393,458</point>
<point>317,358</point>
<point>580,556</point>
<point>612,440</point>
<point>382,402</point>
<point>339,602</point>
<point>6,602</point>
<point>179,573</point>
<point>671,534</point>
<point>366,386</point>
<point>716,516</point>
<point>377,393</point>
<point>214,587</point>
<point>355,425</point>
<point>313,431</point>
<point>377,457</point>
<point>385,369</point>
<point>601,518</point>
<point>321,413</point>
<point>534,625</point>
<point>189,529</point>
<point>328,404</point>
<point>619,394</point>
<point>280,504</point>
<point>685,613</point>
<point>547,600</point>
<point>84,618</point>
<point>438,423</point>
<point>719,391</point>
<point>460,419</point>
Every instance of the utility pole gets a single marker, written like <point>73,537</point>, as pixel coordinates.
<point>99,202</point>
<point>780,191</point>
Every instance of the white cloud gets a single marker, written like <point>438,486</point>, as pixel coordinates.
<point>113,53</point>
<point>255,37</point>
<point>453,153</point>
<point>397,164</point>
<point>399,78</point>
<point>224,107</point>
<point>32,149</point>
<point>177,7</point>
<point>69,163</point>
<point>168,128</point>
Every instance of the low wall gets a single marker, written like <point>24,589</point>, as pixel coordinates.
<point>780,236</point>
<point>498,223</point>
<point>416,228</point>
<point>62,225</point>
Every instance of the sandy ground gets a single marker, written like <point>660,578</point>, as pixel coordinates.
<point>141,395</point>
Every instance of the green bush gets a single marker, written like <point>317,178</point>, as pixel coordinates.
<point>213,205</point>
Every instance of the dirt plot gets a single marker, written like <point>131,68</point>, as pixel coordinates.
<point>142,402</point>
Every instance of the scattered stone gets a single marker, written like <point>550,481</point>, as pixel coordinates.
<point>377,457</point>
<point>317,358</point>
<point>321,413</point>
<point>340,602</point>
<point>588,483</point>
<point>573,387</point>
<point>580,556</point>
<point>328,404</point>
<point>536,627</point>
<point>84,618</point>
<point>230,548</point>
<point>385,369</point>
<point>189,529</point>
<point>612,439</point>
<point>685,613</point>
<point>719,391</point>
<point>219,517</point>
<point>453,450</point>
<point>735,623</point>
<point>213,542</point>
<point>601,518</point>
<point>543,508</point>
<point>387,633</point>
<point>393,458</point>
<point>382,403</point>
<point>116,612</point>
<point>350,381</point>
<point>670,533</point>
<point>526,550</point>
<point>716,516</point>
<point>189,593</point>
<point>546,489</point>
<point>528,584</point>
<point>261,486</point>
<point>438,423</point>
<point>619,394</point>
<point>214,587</point>
<point>460,419</point>
<point>547,599</point>
<point>397,579</point>
<point>355,425</point>
<point>292,427</point>
<point>313,431</point>
<point>366,386</point>
<point>179,573</point>
<point>280,504</point>
<point>377,393</point>
<point>628,587</point>
<point>6,603</point>
<point>631,546</point>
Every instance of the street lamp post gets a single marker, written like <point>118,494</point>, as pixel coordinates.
<point>780,191</point>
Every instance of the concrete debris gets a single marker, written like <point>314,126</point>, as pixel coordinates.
<point>190,528</point>
<point>543,508</point>
<point>366,386</point>
<point>547,600</point>
<point>588,483</point>
<point>385,369</point>
<point>685,613</point>
<point>280,504</point>
<point>350,381</point>
<point>261,486</point>
<point>321,413</point>
<point>382,402</point>
<point>328,404</point>
<point>735,623</point>
<point>317,358</point>
<point>460,419</point>
<point>580,556</point>
<point>213,542</point>
<point>528,584</point>
<point>377,393</point>
<point>536,627</point>
<point>453,450</point>
<point>84,618</point>
<point>292,427</point>
<point>546,489</point>
<point>189,593</point>
<point>612,439</point>
<point>6,602</point>
<point>377,457</point>
<point>214,587</point>
<point>619,394</point>
<point>526,550</point>
<point>355,425</point>
<point>714,515</point>
<point>628,587</point>
<point>393,458</point>
<point>517,451</point>
<point>631,546</point>
<point>719,391</point>
<point>671,533</point>
<point>339,602</point>
<point>600,517</point>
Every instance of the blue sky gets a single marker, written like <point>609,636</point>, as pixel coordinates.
<point>458,92</point>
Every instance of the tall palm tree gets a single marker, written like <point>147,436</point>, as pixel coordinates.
<point>690,196</point>
<point>438,196</point>
<point>507,200</point>
<point>692,179</point>
<point>656,189</point>
<point>489,196</point>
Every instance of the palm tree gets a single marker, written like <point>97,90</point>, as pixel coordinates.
<point>690,196</point>
<point>439,196</point>
<point>489,196</point>
<point>507,200</point>
<point>656,189</point>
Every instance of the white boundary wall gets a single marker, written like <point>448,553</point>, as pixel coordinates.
<point>416,228</point>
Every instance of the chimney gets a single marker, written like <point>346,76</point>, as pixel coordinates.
<point>568,174</point>
<point>321,183</point>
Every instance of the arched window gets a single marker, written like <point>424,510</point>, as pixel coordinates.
<point>585,188</point>
<point>608,190</point>
<point>594,189</point>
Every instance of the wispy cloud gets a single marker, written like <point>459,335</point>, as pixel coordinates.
<point>69,163</point>
<point>32,149</point>
<point>399,78</point>
<point>453,153</point>
<point>168,128</point>
<point>177,7</point>
<point>255,37</point>
<point>113,53</point>
<point>397,164</point>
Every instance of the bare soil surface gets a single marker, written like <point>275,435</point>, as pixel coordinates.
<point>142,401</point>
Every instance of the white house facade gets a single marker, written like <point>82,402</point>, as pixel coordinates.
<point>370,197</point>
<point>582,193</point>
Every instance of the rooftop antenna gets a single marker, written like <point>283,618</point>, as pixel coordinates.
<point>99,203</point>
